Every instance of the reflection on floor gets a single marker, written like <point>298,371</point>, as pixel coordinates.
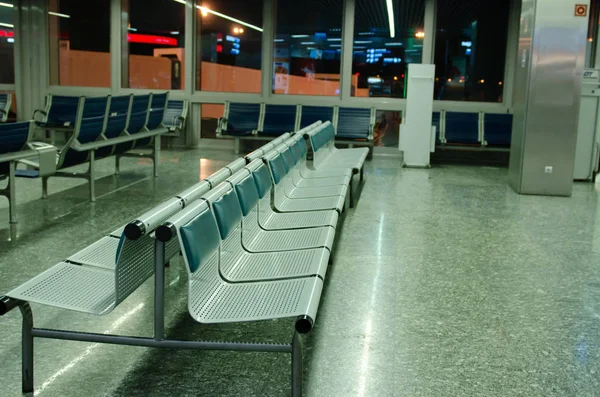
<point>446,283</point>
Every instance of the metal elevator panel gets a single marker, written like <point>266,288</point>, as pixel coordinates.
<point>546,97</point>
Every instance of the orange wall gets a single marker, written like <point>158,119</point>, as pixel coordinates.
<point>297,85</point>
<point>149,72</point>
<point>84,68</point>
<point>225,78</point>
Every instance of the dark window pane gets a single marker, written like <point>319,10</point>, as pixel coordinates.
<point>156,40</point>
<point>79,33</point>
<point>7,40</point>
<point>308,47</point>
<point>384,46</point>
<point>470,50</point>
<point>230,45</point>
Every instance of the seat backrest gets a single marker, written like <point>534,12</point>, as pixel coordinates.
<point>279,119</point>
<point>198,234</point>
<point>226,207</point>
<point>62,110</point>
<point>91,118</point>
<point>462,127</point>
<point>246,190</point>
<point>157,110</point>
<point>354,123</point>
<point>313,114</point>
<point>498,129</point>
<point>118,115</point>
<point>138,117</point>
<point>14,136</point>
<point>276,166</point>
<point>5,102</point>
<point>243,116</point>
<point>176,109</point>
<point>289,160</point>
<point>261,176</point>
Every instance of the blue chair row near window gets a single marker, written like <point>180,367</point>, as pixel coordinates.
<point>470,128</point>
<point>267,120</point>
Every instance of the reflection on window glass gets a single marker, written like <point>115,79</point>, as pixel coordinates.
<point>156,39</point>
<point>79,33</point>
<point>387,126</point>
<point>307,48</point>
<point>229,49</point>
<point>470,50</point>
<point>211,112</point>
<point>7,40</point>
<point>593,25</point>
<point>387,37</point>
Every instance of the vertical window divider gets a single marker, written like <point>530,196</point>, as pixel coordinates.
<point>347,51</point>
<point>429,29</point>
<point>189,77</point>
<point>268,37</point>
<point>118,38</point>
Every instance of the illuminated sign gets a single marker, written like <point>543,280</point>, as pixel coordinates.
<point>375,54</point>
<point>6,33</point>
<point>151,39</point>
<point>466,43</point>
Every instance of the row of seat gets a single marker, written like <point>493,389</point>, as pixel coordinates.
<point>251,119</point>
<point>97,128</point>
<point>484,129</point>
<point>5,104</point>
<point>256,239</point>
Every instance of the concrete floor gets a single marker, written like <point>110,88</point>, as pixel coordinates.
<point>445,283</point>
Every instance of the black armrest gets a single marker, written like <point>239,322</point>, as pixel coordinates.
<point>36,111</point>
<point>7,304</point>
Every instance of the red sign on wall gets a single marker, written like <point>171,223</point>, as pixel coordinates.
<point>581,10</point>
<point>151,39</point>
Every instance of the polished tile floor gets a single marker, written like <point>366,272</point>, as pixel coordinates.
<point>445,283</point>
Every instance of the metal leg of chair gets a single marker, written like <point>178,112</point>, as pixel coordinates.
<point>362,173</point>
<point>117,164</point>
<point>45,187</point>
<point>156,154</point>
<point>236,146</point>
<point>12,192</point>
<point>27,348</point>
<point>351,192</point>
<point>92,175</point>
<point>296,366</point>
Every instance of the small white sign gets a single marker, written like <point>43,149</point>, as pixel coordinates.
<point>591,75</point>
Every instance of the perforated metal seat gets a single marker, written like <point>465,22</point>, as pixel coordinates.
<point>212,299</point>
<point>327,155</point>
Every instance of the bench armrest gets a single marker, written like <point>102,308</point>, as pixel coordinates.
<point>7,304</point>
<point>371,133</point>
<point>36,111</point>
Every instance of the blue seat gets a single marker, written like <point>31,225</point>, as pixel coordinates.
<point>138,118</point>
<point>5,102</point>
<point>462,127</point>
<point>60,111</point>
<point>89,126</point>
<point>312,114</point>
<point>13,138</point>
<point>498,129</point>
<point>354,123</point>
<point>240,119</point>
<point>158,104</point>
<point>176,115</point>
<point>279,119</point>
<point>116,122</point>
<point>436,122</point>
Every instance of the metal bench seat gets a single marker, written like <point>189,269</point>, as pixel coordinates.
<point>327,155</point>
<point>248,233</point>
<point>269,219</point>
<point>283,203</point>
<point>213,299</point>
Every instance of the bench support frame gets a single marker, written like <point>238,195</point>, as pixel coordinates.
<point>158,341</point>
<point>10,192</point>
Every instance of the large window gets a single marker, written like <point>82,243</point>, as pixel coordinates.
<point>470,50</point>
<point>7,40</point>
<point>156,41</point>
<point>307,48</point>
<point>229,49</point>
<point>79,33</point>
<point>387,37</point>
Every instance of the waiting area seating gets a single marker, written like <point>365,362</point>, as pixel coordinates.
<point>246,121</point>
<point>473,129</point>
<point>256,239</point>
<point>5,104</point>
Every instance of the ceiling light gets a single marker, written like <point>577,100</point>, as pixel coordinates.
<point>57,14</point>
<point>300,36</point>
<point>6,5</point>
<point>390,10</point>
<point>334,39</point>
<point>175,32</point>
<point>207,10</point>
<point>7,25</point>
<point>307,42</point>
<point>132,29</point>
<point>393,44</point>
<point>279,40</point>
<point>181,1</point>
<point>363,42</point>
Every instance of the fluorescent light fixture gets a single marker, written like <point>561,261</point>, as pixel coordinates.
<point>204,9</point>
<point>363,42</point>
<point>307,42</point>
<point>175,32</point>
<point>335,45</point>
<point>132,29</point>
<point>180,1</point>
<point>7,25</point>
<point>58,14</point>
<point>390,10</point>
<point>6,5</point>
<point>394,44</point>
<point>366,33</point>
<point>300,36</point>
<point>334,39</point>
<point>278,40</point>
<point>12,40</point>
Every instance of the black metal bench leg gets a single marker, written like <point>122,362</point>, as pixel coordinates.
<point>45,187</point>
<point>156,154</point>
<point>351,188</point>
<point>362,173</point>
<point>296,366</point>
<point>117,164</point>
<point>92,176</point>
<point>12,197</point>
<point>27,348</point>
